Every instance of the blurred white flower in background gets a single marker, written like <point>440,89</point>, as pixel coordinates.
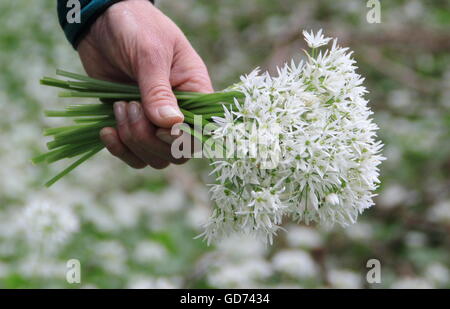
<point>67,194</point>
<point>238,262</point>
<point>241,247</point>
<point>414,9</point>
<point>415,239</point>
<point>393,154</point>
<point>142,282</point>
<point>344,279</point>
<point>197,215</point>
<point>127,208</point>
<point>100,217</point>
<point>159,207</point>
<point>401,99</point>
<point>412,283</point>
<point>245,274</point>
<point>305,237</point>
<point>437,273</point>
<point>295,263</point>
<point>394,195</point>
<point>170,200</point>
<point>16,172</point>
<point>39,266</point>
<point>47,226</point>
<point>111,256</point>
<point>440,212</point>
<point>359,231</point>
<point>89,286</point>
<point>149,252</point>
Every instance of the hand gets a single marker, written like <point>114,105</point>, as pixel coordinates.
<point>134,42</point>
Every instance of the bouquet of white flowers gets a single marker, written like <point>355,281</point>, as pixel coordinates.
<point>298,145</point>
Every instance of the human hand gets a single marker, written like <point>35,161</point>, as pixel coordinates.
<point>134,42</point>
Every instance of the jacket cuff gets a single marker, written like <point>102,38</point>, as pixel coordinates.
<point>90,11</point>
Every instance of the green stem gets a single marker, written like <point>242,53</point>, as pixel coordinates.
<point>100,95</point>
<point>74,165</point>
<point>78,113</point>
<point>93,119</point>
<point>65,140</point>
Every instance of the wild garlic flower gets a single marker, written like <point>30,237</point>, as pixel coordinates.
<point>305,148</point>
<point>315,40</point>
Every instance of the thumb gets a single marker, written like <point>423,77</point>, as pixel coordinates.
<point>159,102</point>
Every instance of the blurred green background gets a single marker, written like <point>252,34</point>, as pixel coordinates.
<point>135,229</point>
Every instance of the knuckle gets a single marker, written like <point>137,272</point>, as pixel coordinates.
<point>159,92</point>
<point>116,150</point>
<point>201,79</point>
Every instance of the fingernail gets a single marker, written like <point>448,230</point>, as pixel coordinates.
<point>108,138</point>
<point>134,111</point>
<point>165,136</point>
<point>169,112</point>
<point>119,111</point>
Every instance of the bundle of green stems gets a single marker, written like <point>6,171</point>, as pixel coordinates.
<point>81,140</point>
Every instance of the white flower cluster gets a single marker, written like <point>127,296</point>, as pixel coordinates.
<point>48,226</point>
<point>316,151</point>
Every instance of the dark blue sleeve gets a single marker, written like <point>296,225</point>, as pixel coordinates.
<point>90,11</point>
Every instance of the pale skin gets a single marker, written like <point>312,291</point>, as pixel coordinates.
<point>134,42</point>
